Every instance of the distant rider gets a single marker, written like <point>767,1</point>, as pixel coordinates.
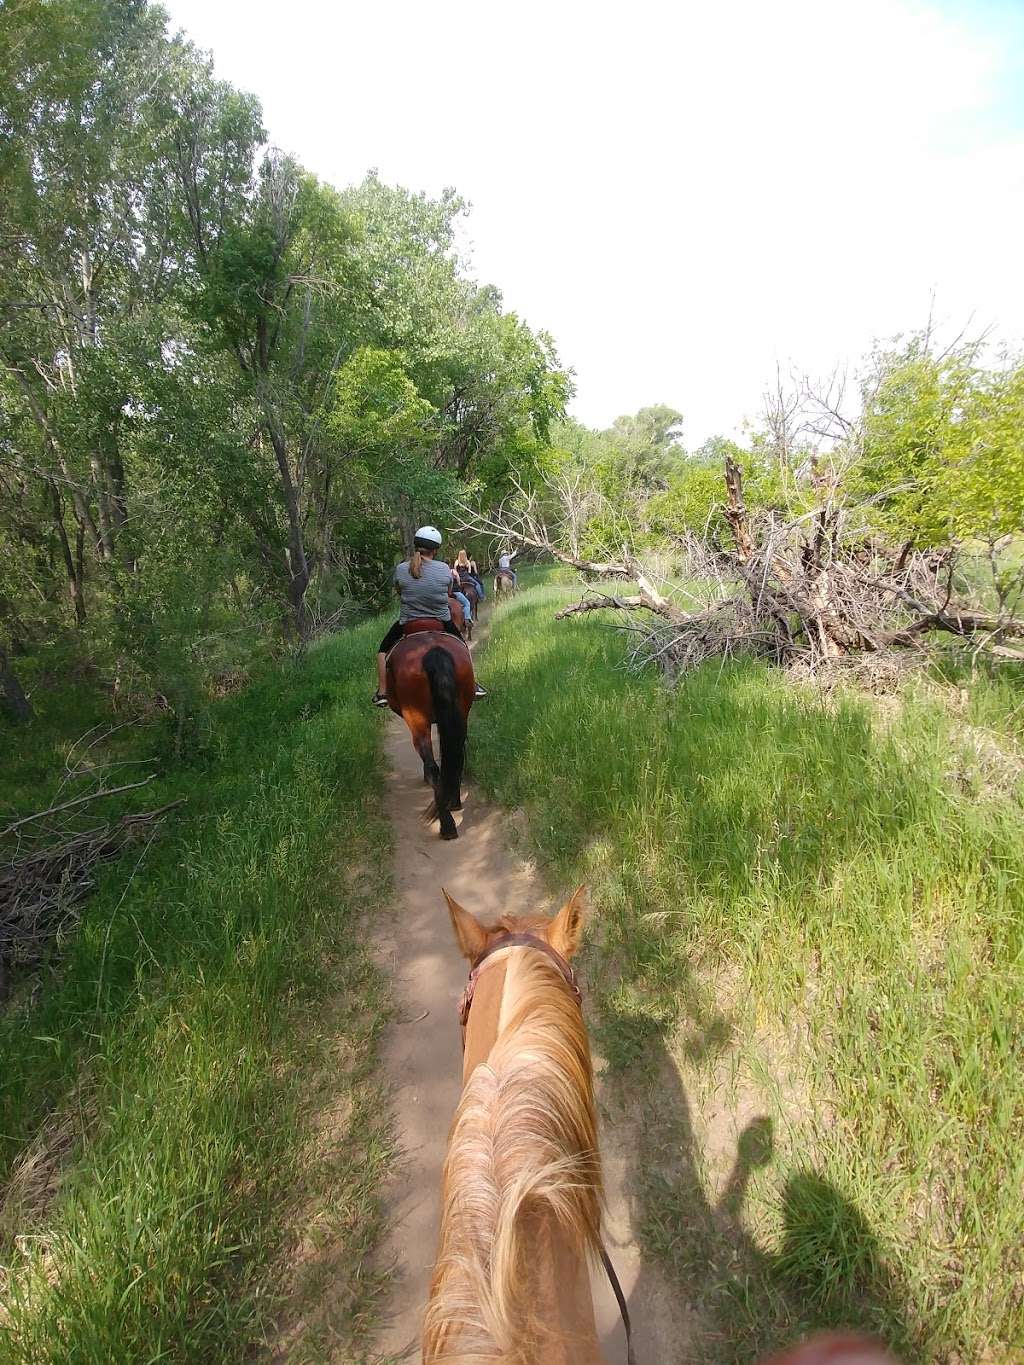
<point>505,565</point>
<point>466,569</point>
<point>455,590</point>
<point>421,582</point>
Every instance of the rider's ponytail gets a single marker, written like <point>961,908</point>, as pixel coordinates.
<point>416,564</point>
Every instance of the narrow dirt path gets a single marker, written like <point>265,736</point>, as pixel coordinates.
<point>423,1057</point>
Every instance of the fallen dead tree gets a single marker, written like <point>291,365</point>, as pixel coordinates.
<point>49,862</point>
<point>809,589</point>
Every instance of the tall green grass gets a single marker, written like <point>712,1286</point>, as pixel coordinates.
<point>815,904</point>
<point>160,1091</point>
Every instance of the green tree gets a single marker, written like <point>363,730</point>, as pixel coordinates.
<point>917,428</point>
<point>986,486</point>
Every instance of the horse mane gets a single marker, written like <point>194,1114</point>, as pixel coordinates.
<point>523,1141</point>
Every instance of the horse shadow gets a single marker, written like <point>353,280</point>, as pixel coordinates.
<point>707,1289</point>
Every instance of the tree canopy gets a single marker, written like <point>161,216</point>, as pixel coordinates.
<point>224,385</point>
<point>229,391</point>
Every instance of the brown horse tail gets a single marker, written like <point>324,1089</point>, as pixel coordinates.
<point>439,667</point>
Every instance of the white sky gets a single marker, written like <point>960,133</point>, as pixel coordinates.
<point>683,193</point>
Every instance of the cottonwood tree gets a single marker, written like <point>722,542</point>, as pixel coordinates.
<point>95,258</point>
<point>222,384</point>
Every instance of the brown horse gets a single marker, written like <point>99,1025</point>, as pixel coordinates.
<point>469,588</point>
<point>504,583</point>
<point>521,1201</point>
<point>431,682</point>
<point>459,617</point>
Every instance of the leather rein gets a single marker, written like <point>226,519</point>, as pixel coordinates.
<point>514,941</point>
<point>569,977</point>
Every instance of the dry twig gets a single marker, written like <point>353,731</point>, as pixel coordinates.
<point>49,865</point>
<point>808,589</point>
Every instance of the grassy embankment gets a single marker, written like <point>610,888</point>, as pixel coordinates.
<point>191,1132</point>
<point>807,971</point>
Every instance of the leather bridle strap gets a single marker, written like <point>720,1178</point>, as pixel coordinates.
<point>620,1299</point>
<point>515,941</point>
<point>532,941</point>
<point>569,977</point>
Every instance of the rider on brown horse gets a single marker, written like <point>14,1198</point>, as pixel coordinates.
<point>505,568</point>
<point>421,582</point>
<point>468,572</point>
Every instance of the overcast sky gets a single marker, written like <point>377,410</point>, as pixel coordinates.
<point>683,194</point>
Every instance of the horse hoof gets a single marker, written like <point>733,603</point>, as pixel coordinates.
<point>452,833</point>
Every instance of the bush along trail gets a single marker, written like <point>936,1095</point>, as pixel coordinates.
<point>806,959</point>
<point>193,1137</point>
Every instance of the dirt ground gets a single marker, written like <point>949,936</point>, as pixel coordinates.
<point>423,1059</point>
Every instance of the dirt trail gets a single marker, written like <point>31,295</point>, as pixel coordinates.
<point>423,1056</point>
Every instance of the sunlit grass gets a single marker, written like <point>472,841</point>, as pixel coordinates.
<point>169,1070</point>
<point>864,900</point>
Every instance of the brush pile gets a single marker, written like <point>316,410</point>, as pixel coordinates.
<point>808,590</point>
<point>49,863</point>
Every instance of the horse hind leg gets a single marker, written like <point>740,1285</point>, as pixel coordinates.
<point>419,728</point>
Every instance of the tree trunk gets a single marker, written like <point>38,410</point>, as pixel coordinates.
<point>72,566</point>
<point>13,702</point>
<point>736,510</point>
<point>105,536</point>
<point>298,565</point>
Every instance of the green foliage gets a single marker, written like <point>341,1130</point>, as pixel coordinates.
<point>636,485</point>
<point>377,414</point>
<point>695,497</point>
<point>986,489</point>
<point>942,455</point>
<point>223,384</point>
<point>914,429</point>
<point>645,449</point>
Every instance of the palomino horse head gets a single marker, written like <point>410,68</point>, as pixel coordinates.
<point>522,1184</point>
<point>562,933</point>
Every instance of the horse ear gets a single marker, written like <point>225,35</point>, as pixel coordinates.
<point>469,932</point>
<point>566,929</point>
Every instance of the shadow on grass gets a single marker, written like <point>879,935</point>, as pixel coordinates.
<point>740,1299</point>
<point>723,813</point>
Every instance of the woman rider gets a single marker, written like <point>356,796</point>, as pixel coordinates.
<point>455,590</point>
<point>466,568</point>
<point>422,583</point>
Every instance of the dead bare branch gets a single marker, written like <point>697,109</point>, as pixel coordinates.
<point>813,588</point>
<point>47,871</point>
